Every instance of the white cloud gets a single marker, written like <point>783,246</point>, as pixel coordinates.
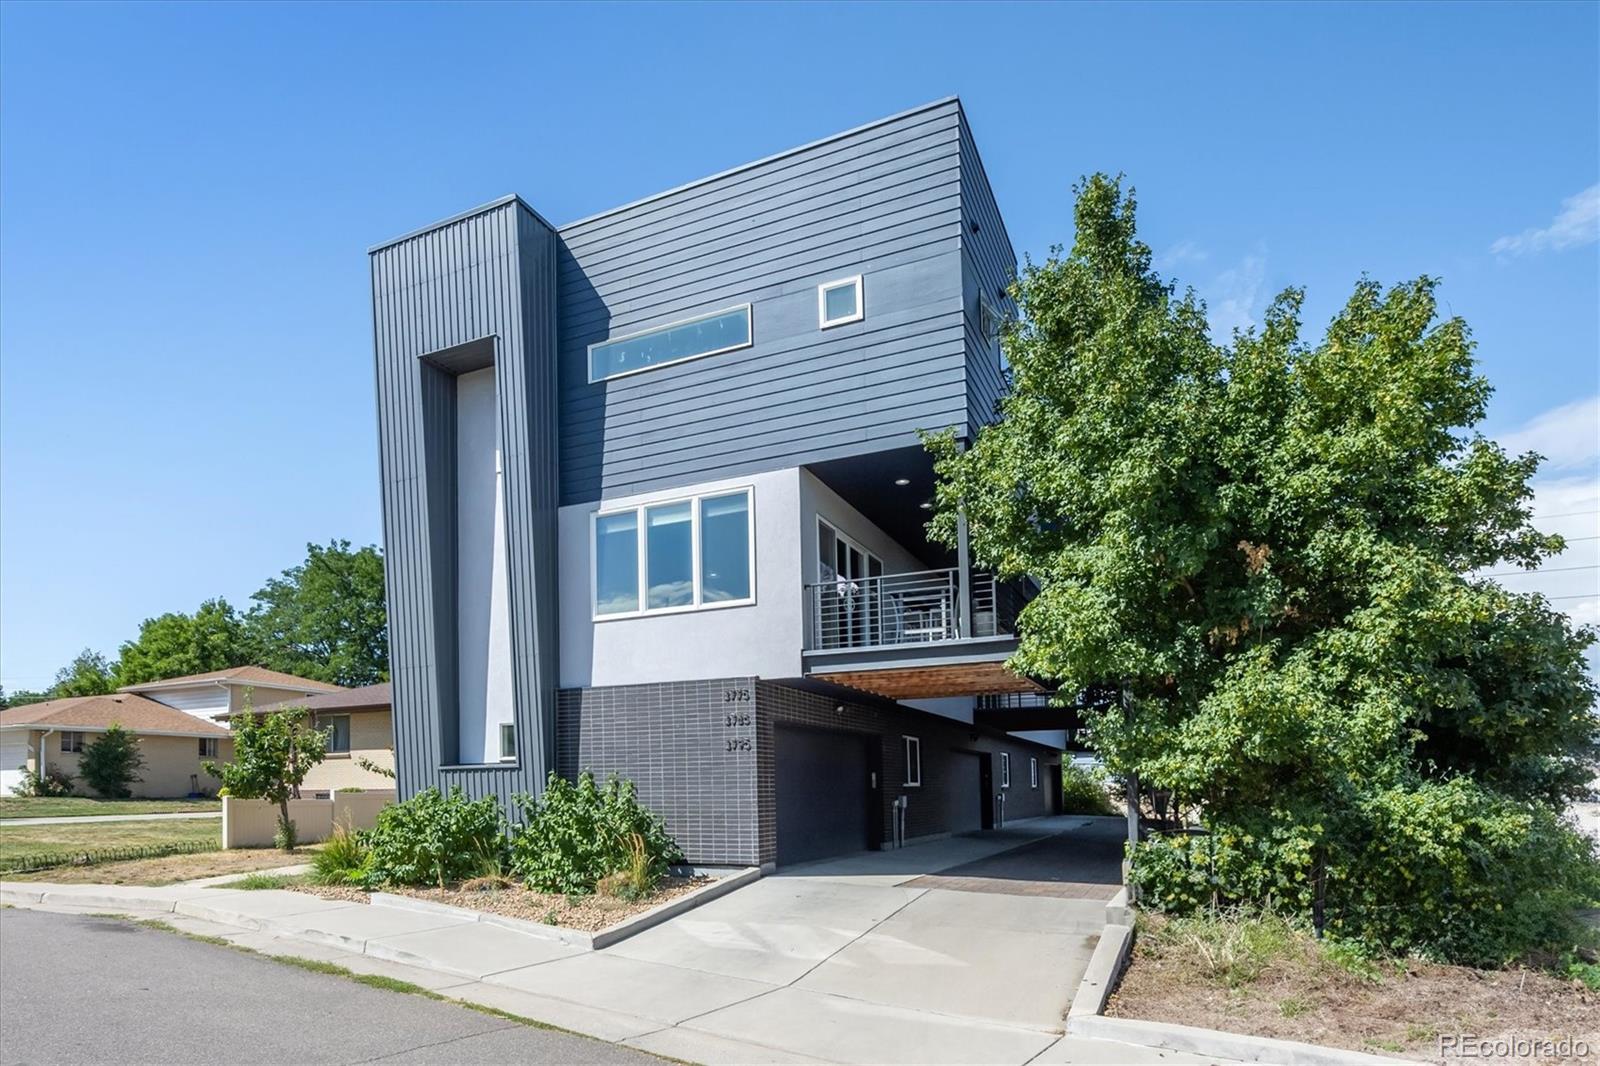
<point>1233,296</point>
<point>1567,436</point>
<point>1179,254</point>
<point>1578,223</point>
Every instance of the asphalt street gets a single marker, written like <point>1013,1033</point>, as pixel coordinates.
<point>80,989</point>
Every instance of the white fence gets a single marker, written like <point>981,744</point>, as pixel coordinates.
<point>253,823</point>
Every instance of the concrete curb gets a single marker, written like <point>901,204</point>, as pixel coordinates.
<point>1214,1043</point>
<point>1100,976</point>
<point>578,938</point>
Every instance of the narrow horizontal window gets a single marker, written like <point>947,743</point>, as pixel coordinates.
<point>720,331</point>
<point>839,302</point>
<point>675,555</point>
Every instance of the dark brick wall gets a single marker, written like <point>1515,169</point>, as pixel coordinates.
<point>942,741</point>
<point>703,755</point>
<point>687,748</point>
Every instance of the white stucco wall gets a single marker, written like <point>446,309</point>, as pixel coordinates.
<point>760,639</point>
<point>483,631</point>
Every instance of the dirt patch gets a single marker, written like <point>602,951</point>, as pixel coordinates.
<point>169,870</point>
<point>587,913</point>
<point>1282,984</point>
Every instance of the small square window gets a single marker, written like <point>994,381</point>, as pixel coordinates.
<point>208,747</point>
<point>71,742</point>
<point>913,762</point>
<point>508,742</point>
<point>839,302</point>
<point>1005,769</point>
<point>1033,773</point>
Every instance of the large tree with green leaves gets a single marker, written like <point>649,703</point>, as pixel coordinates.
<point>1269,546</point>
<point>175,644</point>
<point>88,674</point>
<point>325,618</point>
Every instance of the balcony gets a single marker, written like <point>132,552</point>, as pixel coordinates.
<point>915,635</point>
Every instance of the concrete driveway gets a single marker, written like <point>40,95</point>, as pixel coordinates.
<point>964,950</point>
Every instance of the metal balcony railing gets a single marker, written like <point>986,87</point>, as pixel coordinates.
<point>896,609</point>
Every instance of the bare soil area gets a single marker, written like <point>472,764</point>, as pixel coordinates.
<point>510,900</point>
<point>1281,983</point>
<point>171,869</point>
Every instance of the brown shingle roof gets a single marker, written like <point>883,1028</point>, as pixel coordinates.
<point>366,698</point>
<point>134,713</point>
<point>242,675</point>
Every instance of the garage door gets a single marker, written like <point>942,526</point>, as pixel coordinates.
<point>13,754</point>
<point>965,794</point>
<point>822,794</point>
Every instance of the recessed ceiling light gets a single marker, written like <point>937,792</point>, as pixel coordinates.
<point>927,505</point>
<point>902,481</point>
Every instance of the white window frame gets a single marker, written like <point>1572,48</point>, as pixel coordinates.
<point>868,555</point>
<point>913,752</point>
<point>72,742</point>
<point>749,332</point>
<point>1033,772</point>
<point>505,755</point>
<point>209,747</point>
<point>325,723</point>
<point>823,321</point>
<point>641,544</point>
<point>1005,769</point>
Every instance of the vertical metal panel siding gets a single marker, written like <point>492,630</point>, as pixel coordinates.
<point>884,201</point>
<point>488,275</point>
<point>990,258</point>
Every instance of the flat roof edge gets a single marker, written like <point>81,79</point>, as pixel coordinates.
<point>481,209</point>
<point>763,161</point>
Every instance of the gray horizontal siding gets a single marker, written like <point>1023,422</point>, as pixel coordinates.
<point>988,266</point>
<point>477,287</point>
<point>884,202</point>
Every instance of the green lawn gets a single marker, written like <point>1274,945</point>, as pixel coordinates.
<point>67,838</point>
<point>82,806</point>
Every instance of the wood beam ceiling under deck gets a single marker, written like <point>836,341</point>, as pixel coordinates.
<point>932,682</point>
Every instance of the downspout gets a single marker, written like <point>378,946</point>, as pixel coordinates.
<point>39,769</point>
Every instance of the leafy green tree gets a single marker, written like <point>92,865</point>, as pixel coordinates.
<point>21,698</point>
<point>1269,546</point>
<point>89,674</point>
<point>272,753</point>
<point>110,763</point>
<point>174,645</point>
<point>324,619</point>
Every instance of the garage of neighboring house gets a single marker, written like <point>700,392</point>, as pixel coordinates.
<point>824,794</point>
<point>14,756</point>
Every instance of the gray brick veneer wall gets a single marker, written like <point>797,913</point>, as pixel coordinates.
<point>690,746</point>
<point>703,754</point>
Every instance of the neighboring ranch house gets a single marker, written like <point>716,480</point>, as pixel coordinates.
<point>359,731</point>
<point>225,691</point>
<point>53,735</point>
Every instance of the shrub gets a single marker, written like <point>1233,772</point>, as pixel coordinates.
<point>111,762</point>
<point>578,834</point>
<point>1083,791</point>
<point>286,836</point>
<point>53,783</point>
<point>433,838</point>
<point>342,860</point>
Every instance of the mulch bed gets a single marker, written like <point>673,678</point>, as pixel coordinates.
<point>1401,1010</point>
<point>510,900</point>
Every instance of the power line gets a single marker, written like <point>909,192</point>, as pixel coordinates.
<point>1542,570</point>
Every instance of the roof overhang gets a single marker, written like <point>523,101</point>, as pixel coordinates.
<point>974,667</point>
<point>68,727</point>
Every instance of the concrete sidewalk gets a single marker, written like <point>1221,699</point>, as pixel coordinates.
<point>843,961</point>
<point>92,818</point>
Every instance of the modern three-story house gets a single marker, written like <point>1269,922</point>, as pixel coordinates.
<point>654,500</point>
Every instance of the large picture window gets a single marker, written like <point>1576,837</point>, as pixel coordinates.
<point>720,331</point>
<point>674,555</point>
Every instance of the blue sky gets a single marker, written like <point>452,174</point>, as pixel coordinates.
<point>187,194</point>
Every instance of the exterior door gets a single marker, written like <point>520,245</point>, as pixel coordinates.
<point>849,610</point>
